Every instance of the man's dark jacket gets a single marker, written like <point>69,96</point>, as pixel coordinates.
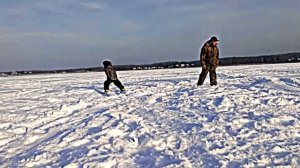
<point>209,54</point>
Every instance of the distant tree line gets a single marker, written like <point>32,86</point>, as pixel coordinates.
<point>266,59</point>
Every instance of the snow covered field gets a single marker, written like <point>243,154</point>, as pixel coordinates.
<point>251,119</point>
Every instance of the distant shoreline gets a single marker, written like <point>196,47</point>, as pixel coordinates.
<point>229,61</point>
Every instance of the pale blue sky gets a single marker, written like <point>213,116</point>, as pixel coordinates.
<point>58,34</point>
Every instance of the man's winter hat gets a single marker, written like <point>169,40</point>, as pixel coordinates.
<point>213,38</point>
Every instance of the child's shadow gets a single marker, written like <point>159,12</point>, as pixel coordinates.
<point>91,88</point>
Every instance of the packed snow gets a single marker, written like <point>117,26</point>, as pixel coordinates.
<point>250,119</point>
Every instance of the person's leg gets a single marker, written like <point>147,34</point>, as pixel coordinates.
<point>106,85</point>
<point>213,76</point>
<point>202,76</point>
<point>119,84</point>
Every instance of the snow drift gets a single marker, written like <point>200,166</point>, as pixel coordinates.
<point>250,119</point>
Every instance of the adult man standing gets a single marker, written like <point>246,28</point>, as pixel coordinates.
<point>209,60</point>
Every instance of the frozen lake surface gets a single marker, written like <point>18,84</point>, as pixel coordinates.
<point>251,119</point>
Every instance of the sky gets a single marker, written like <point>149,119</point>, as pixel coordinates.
<point>60,34</point>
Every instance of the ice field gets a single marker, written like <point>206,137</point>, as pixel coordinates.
<point>250,119</point>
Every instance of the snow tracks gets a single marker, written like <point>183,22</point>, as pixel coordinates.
<point>251,119</point>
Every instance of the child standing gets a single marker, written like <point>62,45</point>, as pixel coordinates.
<point>111,77</point>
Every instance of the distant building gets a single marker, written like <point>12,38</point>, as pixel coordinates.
<point>4,74</point>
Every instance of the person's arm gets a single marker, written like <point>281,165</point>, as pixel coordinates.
<point>218,60</point>
<point>115,74</point>
<point>107,73</point>
<point>203,56</point>
<point>110,73</point>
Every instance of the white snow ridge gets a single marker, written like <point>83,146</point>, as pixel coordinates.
<point>250,119</point>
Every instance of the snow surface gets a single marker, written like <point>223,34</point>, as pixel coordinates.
<point>251,119</point>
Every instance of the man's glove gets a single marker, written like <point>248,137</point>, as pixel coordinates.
<point>203,66</point>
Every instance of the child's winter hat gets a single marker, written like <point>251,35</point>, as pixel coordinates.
<point>106,63</point>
